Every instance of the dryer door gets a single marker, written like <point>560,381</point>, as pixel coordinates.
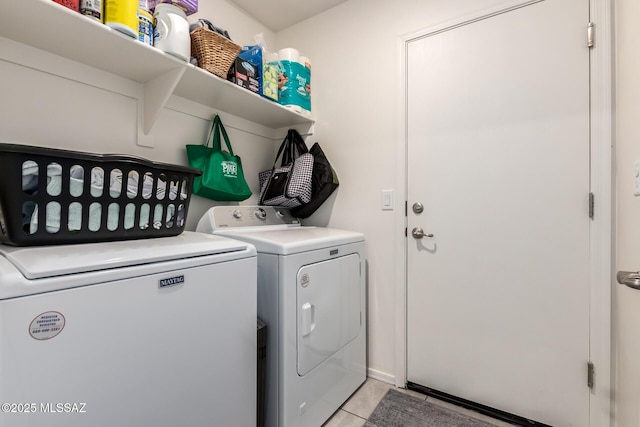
<point>328,309</point>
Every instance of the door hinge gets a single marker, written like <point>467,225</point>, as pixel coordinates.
<point>405,232</point>
<point>406,209</point>
<point>590,374</point>
<point>591,205</point>
<point>591,29</point>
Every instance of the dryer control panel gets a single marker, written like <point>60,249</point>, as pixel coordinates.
<point>246,216</point>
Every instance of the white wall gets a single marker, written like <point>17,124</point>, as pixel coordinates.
<point>241,27</point>
<point>627,301</point>
<point>52,109</point>
<point>355,52</point>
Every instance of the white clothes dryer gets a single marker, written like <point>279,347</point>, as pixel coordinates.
<point>311,295</point>
<point>152,332</point>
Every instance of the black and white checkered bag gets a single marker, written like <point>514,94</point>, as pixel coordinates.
<point>289,185</point>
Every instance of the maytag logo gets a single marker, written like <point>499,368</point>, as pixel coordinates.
<point>171,281</point>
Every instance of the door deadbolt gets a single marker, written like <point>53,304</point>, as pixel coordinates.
<point>417,207</point>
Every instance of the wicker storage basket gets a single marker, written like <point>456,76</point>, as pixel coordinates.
<point>215,53</point>
<point>50,196</point>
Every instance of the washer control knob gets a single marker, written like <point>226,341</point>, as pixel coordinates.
<point>236,214</point>
<point>261,213</point>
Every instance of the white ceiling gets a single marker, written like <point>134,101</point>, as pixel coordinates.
<point>279,14</point>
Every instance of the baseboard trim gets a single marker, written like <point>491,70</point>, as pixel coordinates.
<point>381,376</point>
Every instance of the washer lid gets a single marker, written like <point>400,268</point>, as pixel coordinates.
<point>286,241</point>
<point>48,261</point>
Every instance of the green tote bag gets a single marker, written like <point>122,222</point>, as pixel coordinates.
<point>222,177</point>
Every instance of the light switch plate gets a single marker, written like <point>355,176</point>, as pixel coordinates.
<point>388,201</point>
<point>636,179</point>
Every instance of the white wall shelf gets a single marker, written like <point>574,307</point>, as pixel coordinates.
<point>48,26</point>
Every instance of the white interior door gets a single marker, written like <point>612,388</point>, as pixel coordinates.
<point>498,155</point>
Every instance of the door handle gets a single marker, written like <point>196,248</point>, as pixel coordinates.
<point>308,318</point>
<point>418,233</point>
<point>629,278</point>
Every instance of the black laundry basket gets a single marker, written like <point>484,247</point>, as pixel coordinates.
<point>52,196</point>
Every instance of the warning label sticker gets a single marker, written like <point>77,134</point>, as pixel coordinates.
<point>47,325</point>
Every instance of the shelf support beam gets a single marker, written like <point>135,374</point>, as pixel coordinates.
<point>155,94</point>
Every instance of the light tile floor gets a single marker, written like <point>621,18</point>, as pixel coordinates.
<point>356,410</point>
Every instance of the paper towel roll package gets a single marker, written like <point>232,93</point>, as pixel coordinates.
<point>269,81</point>
<point>294,81</point>
<point>289,54</point>
<point>307,63</point>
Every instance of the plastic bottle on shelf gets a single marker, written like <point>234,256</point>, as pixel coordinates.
<point>171,31</point>
<point>145,27</point>
<point>122,15</point>
<point>92,9</point>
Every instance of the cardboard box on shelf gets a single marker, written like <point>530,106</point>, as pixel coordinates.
<point>267,73</point>
<point>71,4</point>
<point>245,74</point>
<point>189,6</point>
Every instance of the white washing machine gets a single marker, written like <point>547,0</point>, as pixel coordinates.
<point>311,295</point>
<point>154,332</point>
